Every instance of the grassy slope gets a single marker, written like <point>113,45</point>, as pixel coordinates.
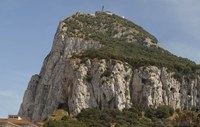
<point>102,28</point>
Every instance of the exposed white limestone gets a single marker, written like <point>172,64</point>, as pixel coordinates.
<point>76,84</point>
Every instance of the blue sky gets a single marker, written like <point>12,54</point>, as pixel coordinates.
<point>27,28</point>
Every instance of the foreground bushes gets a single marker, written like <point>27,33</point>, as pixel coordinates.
<point>162,112</point>
<point>135,116</point>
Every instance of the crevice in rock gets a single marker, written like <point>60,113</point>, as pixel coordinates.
<point>131,85</point>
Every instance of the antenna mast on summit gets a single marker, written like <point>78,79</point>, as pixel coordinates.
<point>102,9</point>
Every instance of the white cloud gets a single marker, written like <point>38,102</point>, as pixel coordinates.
<point>8,93</point>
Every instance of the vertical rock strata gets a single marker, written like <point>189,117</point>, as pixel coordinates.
<point>74,84</point>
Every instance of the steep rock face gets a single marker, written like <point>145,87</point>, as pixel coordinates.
<point>153,86</point>
<point>74,83</point>
<point>42,87</point>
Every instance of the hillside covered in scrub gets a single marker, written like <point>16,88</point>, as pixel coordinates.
<point>123,40</point>
<point>104,61</point>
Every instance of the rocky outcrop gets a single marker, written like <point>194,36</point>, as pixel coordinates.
<point>76,83</point>
<point>153,86</point>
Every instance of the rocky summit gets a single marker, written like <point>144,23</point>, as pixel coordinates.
<point>106,61</point>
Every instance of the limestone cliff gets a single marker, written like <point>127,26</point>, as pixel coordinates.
<point>72,80</point>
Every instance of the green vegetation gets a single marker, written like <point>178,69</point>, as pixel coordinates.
<point>162,112</point>
<point>88,77</point>
<point>60,118</point>
<point>106,73</point>
<point>187,119</point>
<point>103,27</point>
<point>137,116</point>
<point>137,55</point>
